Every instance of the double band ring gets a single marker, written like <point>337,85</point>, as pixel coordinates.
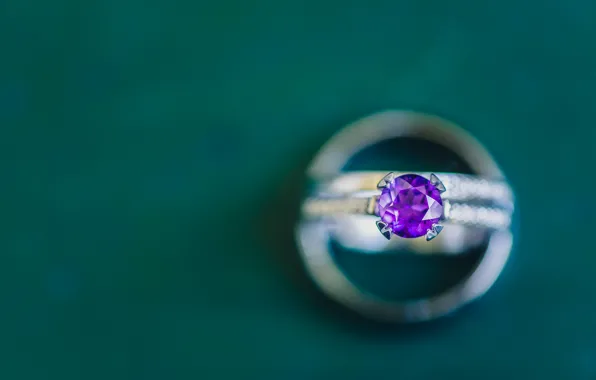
<point>426,212</point>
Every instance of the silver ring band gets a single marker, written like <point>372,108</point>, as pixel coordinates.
<point>455,212</point>
<point>459,187</point>
<point>340,207</point>
<point>468,200</point>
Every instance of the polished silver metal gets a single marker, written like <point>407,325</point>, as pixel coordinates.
<point>434,232</point>
<point>477,212</point>
<point>383,183</point>
<point>384,229</point>
<point>437,182</point>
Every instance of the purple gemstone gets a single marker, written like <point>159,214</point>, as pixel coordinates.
<point>410,205</point>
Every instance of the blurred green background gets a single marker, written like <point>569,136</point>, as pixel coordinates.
<point>142,142</point>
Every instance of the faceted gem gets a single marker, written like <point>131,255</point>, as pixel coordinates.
<point>410,204</point>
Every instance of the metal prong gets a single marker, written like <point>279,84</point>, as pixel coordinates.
<point>437,183</point>
<point>385,181</point>
<point>434,232</point>
<point>386,231</point>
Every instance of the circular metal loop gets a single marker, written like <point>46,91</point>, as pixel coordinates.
<point>314,235</point>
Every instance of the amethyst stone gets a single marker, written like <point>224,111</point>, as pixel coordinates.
<point>410,205</point>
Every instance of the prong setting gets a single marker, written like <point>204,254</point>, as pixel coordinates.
<point>384,229</point>
<point>437,183</point>
<point>386,181</point>
<point>434,232</point>
<point>409,206</point>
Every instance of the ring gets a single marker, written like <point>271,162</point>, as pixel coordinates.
<point>379,211</point>
<point>412,205</point>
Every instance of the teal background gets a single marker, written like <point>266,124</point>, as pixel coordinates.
<point>141,140</point>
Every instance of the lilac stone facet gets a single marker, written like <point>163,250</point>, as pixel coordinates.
<point>410,205</point>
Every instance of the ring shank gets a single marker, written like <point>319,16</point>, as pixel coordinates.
<point>314,242</point>
<point>460,187</point>
<point>456,212</point>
